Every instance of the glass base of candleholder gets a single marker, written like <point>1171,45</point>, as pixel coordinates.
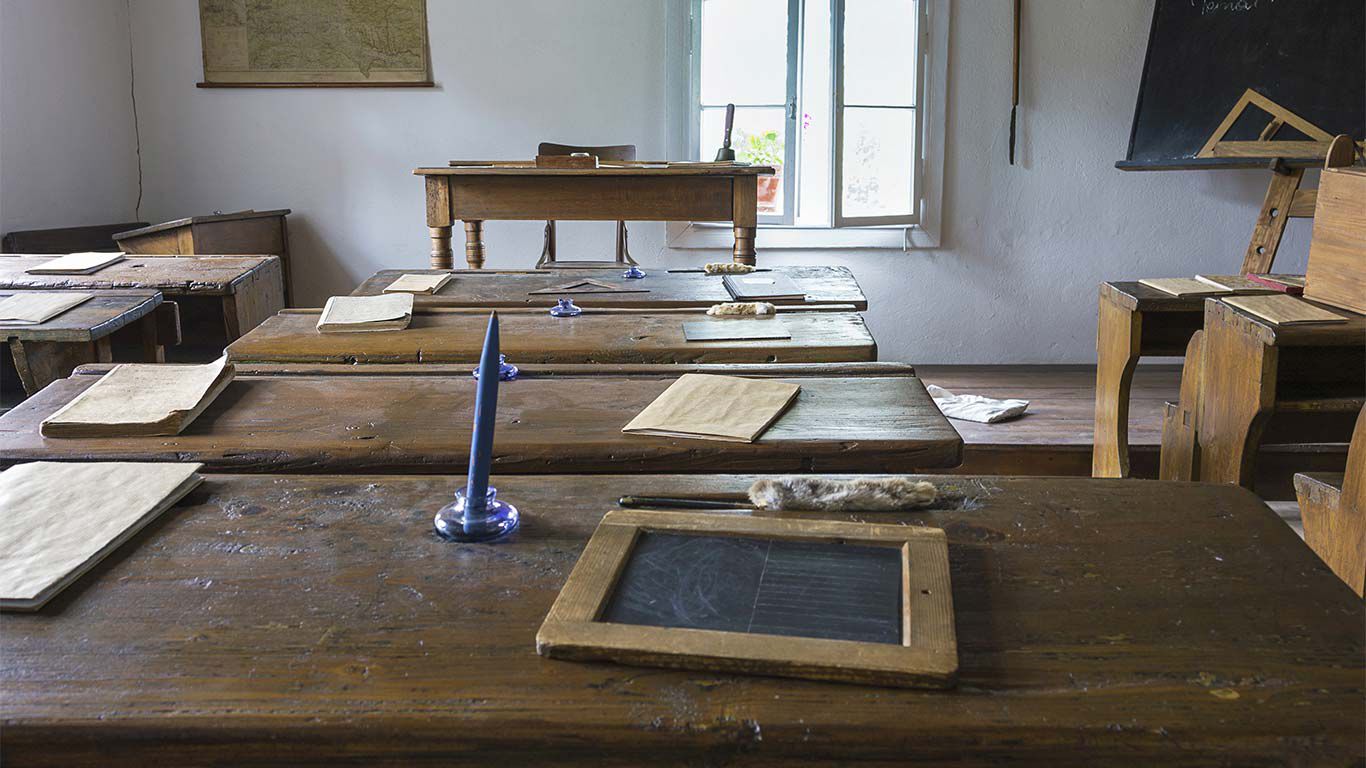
<point>634,273</point>
<point>456,522</point>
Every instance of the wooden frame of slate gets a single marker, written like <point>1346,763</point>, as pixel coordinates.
<point>594,618</point>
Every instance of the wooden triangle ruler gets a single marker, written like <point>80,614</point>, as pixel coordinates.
<point>588,285</point>
<point>1266,145</point>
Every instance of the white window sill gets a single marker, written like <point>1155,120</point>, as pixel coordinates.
<point>703,235</point>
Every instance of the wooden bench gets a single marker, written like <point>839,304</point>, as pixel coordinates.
<point>1333,508</point>
<point>85,333</point>
<point>450,335</point>
<point>237,233</point>
<point>220,297</point>
<point>99,237</point>
<point>407,418</point>
<point>317,620</point>
<point>662,288</point>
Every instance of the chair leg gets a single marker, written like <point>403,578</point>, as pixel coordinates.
<point>623,252</point>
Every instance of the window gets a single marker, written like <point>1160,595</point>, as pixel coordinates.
<point>828,92</point>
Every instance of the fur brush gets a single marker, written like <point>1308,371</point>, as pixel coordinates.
<point>727,268</point>
<point>820,495</point>
<point>742,308</point>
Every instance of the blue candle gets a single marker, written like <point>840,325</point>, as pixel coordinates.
<point>485,409</point>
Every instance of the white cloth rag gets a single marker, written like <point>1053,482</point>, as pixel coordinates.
<point>984,410</point>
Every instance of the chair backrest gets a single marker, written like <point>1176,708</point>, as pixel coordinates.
<point>608,152</point>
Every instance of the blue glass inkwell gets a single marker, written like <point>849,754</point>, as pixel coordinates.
<point>634,273</point>
<point>477,514</point>
<point>506,371</point>
<point>565,308</point>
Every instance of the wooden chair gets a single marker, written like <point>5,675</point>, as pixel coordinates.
<point>623,256</point>
<point>1333,507</point>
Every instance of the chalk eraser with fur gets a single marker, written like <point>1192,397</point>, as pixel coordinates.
<point>822,495</point>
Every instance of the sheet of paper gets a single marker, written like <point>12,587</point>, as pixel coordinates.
<point>1182,286</point>
<point>1284,310</point>
<point>141,399</point>
<point>60,518</point>
<point>711,407</point>
<point>34,307</point>
<point>76,264</point>
<point>735,330</point>
<point>414,282</point>
<point>1234,284</point>
<point>391,311</point>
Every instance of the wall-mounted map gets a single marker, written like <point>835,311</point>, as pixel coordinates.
<point>314,42</point>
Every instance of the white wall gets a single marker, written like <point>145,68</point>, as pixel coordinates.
<point>67,155</point>
<point>1024,247</point>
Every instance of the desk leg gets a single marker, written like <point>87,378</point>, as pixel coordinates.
<point>149,338</point>
<point>439,221</point>
<point>443,256</point>
<point>1119,332</point>
<point>40,363</point>
<point>745,217</point>
<point>474,244</point>
<point>1238,395</point>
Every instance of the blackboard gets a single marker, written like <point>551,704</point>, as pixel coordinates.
<point>826,590</point>
<point>1306,55</point>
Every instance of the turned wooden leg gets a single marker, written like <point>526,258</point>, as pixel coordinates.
<point>474,244</point>
<point>40,363</point>
<point>443,256</point>
<point>1237,398</point>
<point>745,217</point>
<point>1119,332</point>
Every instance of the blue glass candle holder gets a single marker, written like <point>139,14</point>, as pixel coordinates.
<point>566,308</point>
<point>506,371</point>
<point>459,521</point>
<point>634,273</point>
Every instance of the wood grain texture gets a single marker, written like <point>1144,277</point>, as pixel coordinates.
<point>535,337</point>
<point>242,232</point>
<point>823,285</point>
<point>318,620</point>
<point>530,169</point>
<point>95,318</point>
<point>212,275</point>
<point>1336,274</point>
<point>1333,507</point>
<point>326,423</point>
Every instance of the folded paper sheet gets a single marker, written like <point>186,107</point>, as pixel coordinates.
<point>1183,286</point>
<point>983,410</point>
<point>711,407</point>
<point>76,264</point>
<point>348,314</point>
<point>735,330</point>
<point>141,399</point>
<point>34,307</point>
<point>413,282</point>
<point>1282,309</point>
<point>61,518</point>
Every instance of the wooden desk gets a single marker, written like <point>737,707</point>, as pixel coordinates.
<point>49,351</point>
<point>444,335</point>
<point>475,194</point>
<point>1253,368</point>
<point>319,621</point>
<point>513,288</point>
<point>1134,321</point>
<point>849,416</point>
<point>219,296</point>
<point>242,232</point>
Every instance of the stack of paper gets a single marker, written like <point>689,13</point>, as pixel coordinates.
<point>715,408</point>
<point>347,314</point>
<point>61,518</point>
<point>416,282</point>
<point>34,307</point>
<point>86,263</point>
<point>141,399</point>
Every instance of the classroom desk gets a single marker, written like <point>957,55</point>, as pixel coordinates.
<point>478,193</point>
<point>239,232</point>
<point>218,295</point>
<point>1134,321</point>
<point>319,621</point>
<point>51,350</point>
<point>449,335</point>
<point>1254,369</point>
<point>402,418</point>
<point>682,288</point>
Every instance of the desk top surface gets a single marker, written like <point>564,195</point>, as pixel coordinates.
<point>843,420</point>
<point>1349,334</point>
<point>447,335</point>
<point>507,168</point>
<point>318,619</point>
<point>663,288</point>
<point>207,219</point>
<point>92,319</point>
<point>172,275</point>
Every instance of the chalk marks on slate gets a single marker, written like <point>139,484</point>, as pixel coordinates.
<point>774,587</point>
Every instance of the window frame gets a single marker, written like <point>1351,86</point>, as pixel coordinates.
<point>790,142</point>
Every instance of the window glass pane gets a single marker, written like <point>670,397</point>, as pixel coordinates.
<point>879,52</point>
<point>744,51</point>
<point>759,138</point>
<point>877,159</point>
<point>815,123</point>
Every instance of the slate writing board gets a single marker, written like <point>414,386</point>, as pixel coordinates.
<point>735,330</point>
<point>825,590</point>
<point>1305,55</point>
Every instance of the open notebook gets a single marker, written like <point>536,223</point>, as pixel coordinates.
<point>352,314</point>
